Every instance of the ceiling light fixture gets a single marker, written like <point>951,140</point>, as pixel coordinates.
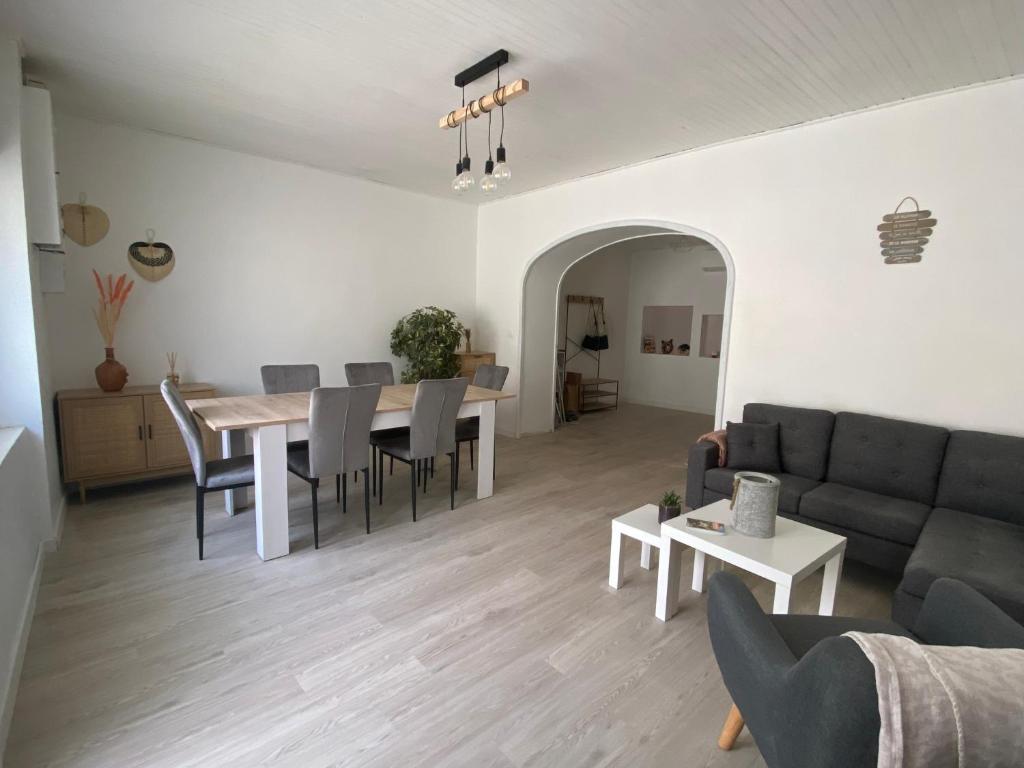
<point>495,174</point>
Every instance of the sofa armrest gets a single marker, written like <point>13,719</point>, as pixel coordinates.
<point>701,457</point>
<point>956,614</point>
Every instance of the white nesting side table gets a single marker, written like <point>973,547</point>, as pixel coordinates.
<point>640,524</point>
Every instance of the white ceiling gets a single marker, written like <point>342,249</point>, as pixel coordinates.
<point>358,86</point>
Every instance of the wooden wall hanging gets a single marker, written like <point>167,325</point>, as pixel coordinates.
<point>903,235</point>
<point>84,224</point>
<point>153,261</point>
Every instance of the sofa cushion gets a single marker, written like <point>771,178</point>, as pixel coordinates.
<point>804,436</point>
<point>984,474</point>
<point>887,456</point>
<point>793,487</point>
<point>753,446</point>
<point>885,517</point>
<point>984,553</point>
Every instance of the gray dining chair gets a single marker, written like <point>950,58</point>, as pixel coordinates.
<point>210,474</point>
<point>468,430</point>
<point>374,373</point>
<point>282,379</point>
<point>339,441</point>
<point>431,433</point>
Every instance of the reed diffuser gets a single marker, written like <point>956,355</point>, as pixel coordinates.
<point>172,359</point>
<point>110,374</point>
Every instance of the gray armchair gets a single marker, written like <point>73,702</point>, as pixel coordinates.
<point>210,474</point>
<point>807,694</point>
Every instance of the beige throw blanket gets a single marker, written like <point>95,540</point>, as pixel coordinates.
<point>946,707</point>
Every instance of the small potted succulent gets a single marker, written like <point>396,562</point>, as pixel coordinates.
<point>670,506</point>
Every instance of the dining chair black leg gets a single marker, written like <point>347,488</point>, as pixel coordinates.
<point>457,459</point>
<point>451,481</point>
<point>200,499</point>
<point>392,470</point>
<point>471,454</point>
<point>431,467</point>
<point>344,493</point>
<point>426,467</point>
<point>337,487</point>
<point>414,469</point>
<point>366,497</point>
<point>316,517</point>
<point>355,476</point>
<point>380,476</point>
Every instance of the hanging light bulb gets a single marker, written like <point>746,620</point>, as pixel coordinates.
<point>502,173</point>
<point>457,181</point>
<point>488,183</point>
<point>467,178</point>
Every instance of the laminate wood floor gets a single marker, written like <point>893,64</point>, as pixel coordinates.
<point>485,636</point>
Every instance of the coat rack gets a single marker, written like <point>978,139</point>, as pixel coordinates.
<point>595,393</point>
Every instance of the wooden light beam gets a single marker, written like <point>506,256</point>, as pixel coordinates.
<point>486,103</point>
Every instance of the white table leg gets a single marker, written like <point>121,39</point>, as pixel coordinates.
<point>617,560</point>
<point>645,555</point>
<point>232,442</point>
<point>269,452</point>
<point>485,458</point>
<point>829,585</point>
<point>668,578</point>
<point>698,571</point>
<point>781,604</point>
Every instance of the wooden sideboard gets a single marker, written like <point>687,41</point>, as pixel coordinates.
<point>469,361</point>
<point>114,437</point>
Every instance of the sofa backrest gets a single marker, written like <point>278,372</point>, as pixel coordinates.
<point>887,456</point>
<point>984,474</point>
<point>804,436</point>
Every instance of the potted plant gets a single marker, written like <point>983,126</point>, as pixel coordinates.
<point>427,338</point>
<point>110,374</point>
<point>670,506</point>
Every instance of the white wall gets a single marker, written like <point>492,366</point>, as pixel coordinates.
<point>26,513</point>
<point>275,263</point>
<point>818,319</point>
<point>672,275</point>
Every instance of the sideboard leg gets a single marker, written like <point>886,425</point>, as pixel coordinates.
<point>81,492</point>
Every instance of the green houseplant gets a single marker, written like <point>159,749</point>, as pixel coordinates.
<point>669,507</point>
<point>427,338</point>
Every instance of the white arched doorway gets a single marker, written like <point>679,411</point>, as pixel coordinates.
<point>539,311</point>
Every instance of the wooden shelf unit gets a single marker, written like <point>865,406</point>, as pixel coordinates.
<point>594,394</point>
<point>114,437</point>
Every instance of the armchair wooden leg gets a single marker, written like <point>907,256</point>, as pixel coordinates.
<point>731,729</point>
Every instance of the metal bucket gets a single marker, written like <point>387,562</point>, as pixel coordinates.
<point>755,503</point>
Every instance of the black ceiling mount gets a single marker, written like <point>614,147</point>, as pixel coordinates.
<point>481,68</point>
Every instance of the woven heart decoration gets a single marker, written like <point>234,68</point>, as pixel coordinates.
<point>153,261</point>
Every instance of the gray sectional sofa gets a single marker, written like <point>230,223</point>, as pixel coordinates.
<point>910,498</point>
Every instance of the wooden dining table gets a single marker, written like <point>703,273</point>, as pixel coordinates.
<point>272,420</point>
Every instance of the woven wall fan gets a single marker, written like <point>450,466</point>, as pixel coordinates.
<point>904,234</point>
<point>84,224</point>
<point>153,261</point>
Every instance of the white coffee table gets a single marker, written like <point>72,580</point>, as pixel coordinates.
<point>796,551</point>
<point>640,524</point>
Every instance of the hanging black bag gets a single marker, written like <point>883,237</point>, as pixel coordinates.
<point>599,340</point>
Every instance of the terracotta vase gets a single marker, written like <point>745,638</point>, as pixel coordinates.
<point>110,374</point>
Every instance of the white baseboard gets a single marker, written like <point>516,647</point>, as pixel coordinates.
<point>52,544</point>
<point>24,626</point>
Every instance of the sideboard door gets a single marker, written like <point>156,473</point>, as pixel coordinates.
<point>104,436</point>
